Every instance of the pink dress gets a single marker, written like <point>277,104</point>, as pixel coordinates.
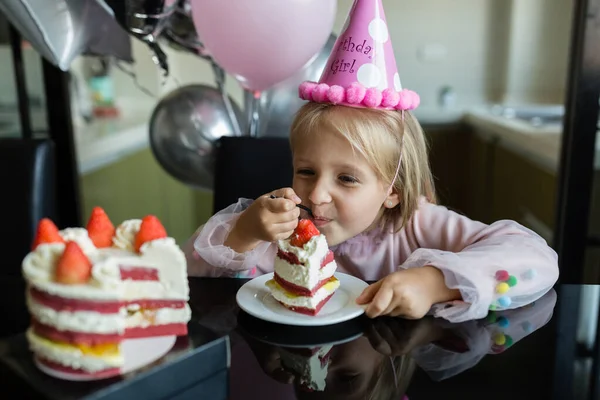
<point>474,257</point>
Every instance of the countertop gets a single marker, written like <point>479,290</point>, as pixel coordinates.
<point>105,141</point>
<point>541,145</point>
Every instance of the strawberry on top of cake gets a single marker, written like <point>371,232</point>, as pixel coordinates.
<point>303,278</point>
<point>91,288</point>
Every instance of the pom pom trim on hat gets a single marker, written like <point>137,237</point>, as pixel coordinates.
<point>357,95</point>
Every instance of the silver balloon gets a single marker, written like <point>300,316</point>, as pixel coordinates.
<point>61,30</point>
<point>180,31</point>
<point>184,128</point>
<point>145,19</point>
<point>142,17</point>
<point>279,104</point>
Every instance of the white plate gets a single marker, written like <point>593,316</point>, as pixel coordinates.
<point>255,298</point>
<point>137,353</point>
<point>279,343</point>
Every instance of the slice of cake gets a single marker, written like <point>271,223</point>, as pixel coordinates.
<point>308,365</point>
<point>304,280</point>
<point>89,289</point>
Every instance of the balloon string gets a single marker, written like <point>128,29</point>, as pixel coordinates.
<point>135,80</point>
<point>253,109</point>
<point>220,79</point>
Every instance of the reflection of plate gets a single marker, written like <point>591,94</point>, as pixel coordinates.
<point>254,298</point>
<point>137,353</point>
<point>300,336</point>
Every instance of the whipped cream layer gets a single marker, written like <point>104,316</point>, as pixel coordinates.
<point>312,370</point>
<point>311,254</point>
<point>106,283</point>
<point>307,302</point>
<point>125,234</point>
<point>72,356</point>
<point>304,276</point>
<point>130,316</point>
<point>161,316</point>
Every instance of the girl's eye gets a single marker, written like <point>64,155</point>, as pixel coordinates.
<point>348,179</point>
<point>305,171</point>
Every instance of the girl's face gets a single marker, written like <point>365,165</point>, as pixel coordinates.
<point>338,184</point>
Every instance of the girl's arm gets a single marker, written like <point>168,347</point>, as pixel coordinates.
<point>207,254</point>
<point>495,267</point>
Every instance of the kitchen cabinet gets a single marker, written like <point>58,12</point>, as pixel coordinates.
<point>501,183</point>
<point>523,191</point>
<point>137,186</point>
<point>479,177</point>
<point>448,162</point>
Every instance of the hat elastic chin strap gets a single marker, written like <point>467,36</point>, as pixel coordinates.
<point>387,193</point>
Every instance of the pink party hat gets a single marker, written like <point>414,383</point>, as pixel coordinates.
<point>361,71</point>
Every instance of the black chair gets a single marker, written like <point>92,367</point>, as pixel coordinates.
<point>27,179</point>
<point>250,167</point>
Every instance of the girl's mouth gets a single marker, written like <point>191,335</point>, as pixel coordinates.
<point>320,221</point>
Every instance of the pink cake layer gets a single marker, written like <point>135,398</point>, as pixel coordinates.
<point>299,290</point>
<point>86,338</point>
<point>308,311</point>
<point>138,273</point>
<point>292,259</point>
<point>103,307</point>
<point>106,373</point>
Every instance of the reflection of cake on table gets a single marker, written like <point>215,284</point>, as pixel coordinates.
<point>90,289</point>
<point>308,365</point>
<point>303,280</point>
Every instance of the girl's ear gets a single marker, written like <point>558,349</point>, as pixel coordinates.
<point>392,200</point>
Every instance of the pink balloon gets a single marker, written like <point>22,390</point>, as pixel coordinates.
<point>263,42</point>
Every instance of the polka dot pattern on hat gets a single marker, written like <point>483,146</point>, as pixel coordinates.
<point>378,30</point>
<point>362,62</point>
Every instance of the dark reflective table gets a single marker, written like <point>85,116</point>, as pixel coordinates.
<point>547,350</point>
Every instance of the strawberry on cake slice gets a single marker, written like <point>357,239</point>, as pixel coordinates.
<point>304,280</point>
<point>89,289</point>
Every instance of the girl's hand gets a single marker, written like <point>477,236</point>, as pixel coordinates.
<point>408,293</point>
<point>397,336</point>
<point>265,220</point>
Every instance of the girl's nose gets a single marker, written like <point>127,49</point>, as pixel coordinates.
<point>319,193</point>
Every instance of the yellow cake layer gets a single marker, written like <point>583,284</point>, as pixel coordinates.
<point>332,284</point>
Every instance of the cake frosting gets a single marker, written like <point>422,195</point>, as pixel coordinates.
<point>89,289</point>
<point>304,268</point>
<point>310,365</point>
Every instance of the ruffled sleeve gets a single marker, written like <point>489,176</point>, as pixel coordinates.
<point>495,267</point>
<point>208,256</point>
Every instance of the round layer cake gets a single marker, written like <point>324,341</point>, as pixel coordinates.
<point>89,289</point>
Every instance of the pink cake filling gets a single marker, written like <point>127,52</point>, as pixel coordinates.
<point>104,307</point>
<point>106,373</point>
<point>292,259</point>
<point>325,359</point>
<point>138,273</point>
<point>85,338</point>
<point>299,290</point>
<point>306,310</point>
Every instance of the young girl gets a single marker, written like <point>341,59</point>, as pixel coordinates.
<point>360,164</point>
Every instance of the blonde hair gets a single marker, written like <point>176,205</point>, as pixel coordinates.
<point>382,137</point>
<point>392,378</point>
